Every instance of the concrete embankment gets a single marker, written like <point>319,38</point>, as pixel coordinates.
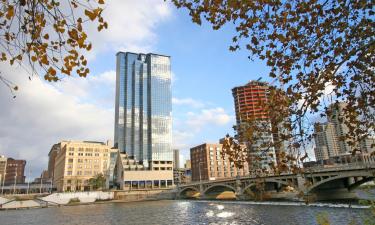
<point>81,198</point>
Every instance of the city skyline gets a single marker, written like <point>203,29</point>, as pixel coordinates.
<point>83,108</point>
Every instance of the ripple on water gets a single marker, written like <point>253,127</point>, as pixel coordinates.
<point>224,214</point>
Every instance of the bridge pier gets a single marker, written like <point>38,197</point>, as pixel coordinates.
<point>301,183</point>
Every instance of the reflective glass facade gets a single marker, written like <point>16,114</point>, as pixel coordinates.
<point>143,116</point>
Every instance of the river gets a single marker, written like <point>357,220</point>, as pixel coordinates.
<point>185,212</point>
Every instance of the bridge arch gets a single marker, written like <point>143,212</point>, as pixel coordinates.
<point>366,178</point>
<point>267,181</point>
<point>183,191</point>
<point>219,185</point>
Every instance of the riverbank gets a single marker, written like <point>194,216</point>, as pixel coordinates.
<point>81,198</point>
<point>185,212</point>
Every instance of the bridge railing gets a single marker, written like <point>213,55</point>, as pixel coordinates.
<point>317,169</point>
<point>343,167</point>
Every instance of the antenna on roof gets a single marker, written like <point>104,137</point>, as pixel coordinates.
<point>260,78</point>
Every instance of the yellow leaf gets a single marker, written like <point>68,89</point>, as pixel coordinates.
<point>10,12</point>
<point>52,71</point>
<point>46,36</point>
<point>101,1</point>
<point>91,15</point>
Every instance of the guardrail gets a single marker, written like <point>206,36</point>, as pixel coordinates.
<point>343,167</point>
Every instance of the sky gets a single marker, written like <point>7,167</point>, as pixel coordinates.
<point>203,73</point>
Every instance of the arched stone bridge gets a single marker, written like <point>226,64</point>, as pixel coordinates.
<point>329,183</point>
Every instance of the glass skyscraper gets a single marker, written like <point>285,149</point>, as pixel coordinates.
<point>143,116</point>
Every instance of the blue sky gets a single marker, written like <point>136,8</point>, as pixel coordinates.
<point>204,72</point>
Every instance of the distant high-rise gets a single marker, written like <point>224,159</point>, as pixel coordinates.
<point>3,168</point>
<point>247,99</point>
<point>340,127</point>
<point>247,103</point>
<point>143,116</point>
<point>207,163</point>
<point>326,144</point>
<point>15,171</point>
<point>176,158</point>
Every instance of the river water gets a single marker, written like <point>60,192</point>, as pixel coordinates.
<point>185,212</point>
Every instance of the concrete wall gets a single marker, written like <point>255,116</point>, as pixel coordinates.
<point>84,197</point>
<point>144,195</point>
<point>4,200</point>
<point>21,204</point>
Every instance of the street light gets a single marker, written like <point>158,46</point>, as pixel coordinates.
<point>2,187</point>
<point>51,181</point>
<point>41,183</point>
<point>200,176</point>
<point>28,182</point>
<point>15,181</point>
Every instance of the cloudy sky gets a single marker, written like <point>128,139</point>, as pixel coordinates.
<point>204,72</point>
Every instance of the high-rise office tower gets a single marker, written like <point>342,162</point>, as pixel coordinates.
<point>143,116</point>
<point>326,144</point>
<point>247,102</point>
<point>341,129</point>
<point>176,159</point>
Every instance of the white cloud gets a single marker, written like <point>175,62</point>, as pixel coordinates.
<point>43,114</point>
<point>75,108</point>
<point>191,128</point>
<point>101,86</point>
<point>214,116</point>
<point>187,101</point>
<point>131,25</point>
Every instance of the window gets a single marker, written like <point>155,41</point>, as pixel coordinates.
<point>79,172</point>
<point>70,160</point>
<point>80,154</point>
<point>80,160</point>
<point>71,149</point>
<point>80,149</point>
<point>69,173</point>
<point>71,153</point>
<point>96,154</point>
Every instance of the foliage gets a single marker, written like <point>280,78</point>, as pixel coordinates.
<point>74,200</point>
<point>319,53</point>
<point>97,182</point>
<point>48,35</point>
<point>323,218</point>
<point>369,218</point>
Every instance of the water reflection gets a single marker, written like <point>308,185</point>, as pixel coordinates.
<point>180,212</point>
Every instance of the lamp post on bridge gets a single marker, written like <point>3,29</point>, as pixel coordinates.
<point>200,176</point>
<point>2,187</point>
<point>28,182</point>
<point>15,181</point>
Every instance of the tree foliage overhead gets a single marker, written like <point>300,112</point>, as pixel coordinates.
<point>48,35</point>
<point>311,47</point>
